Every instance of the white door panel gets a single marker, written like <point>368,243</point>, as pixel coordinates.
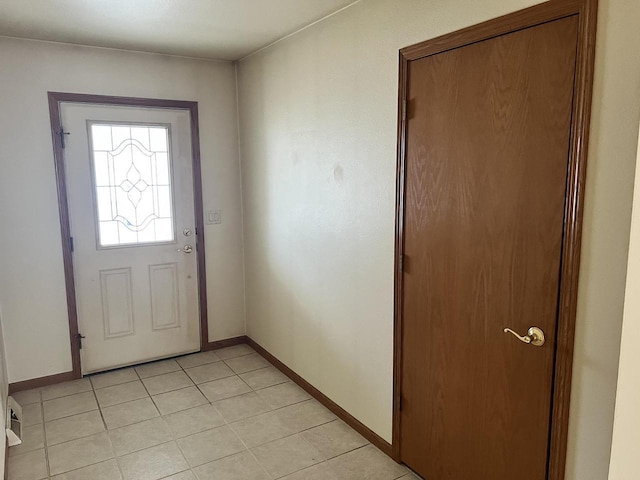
<point>131,208</point>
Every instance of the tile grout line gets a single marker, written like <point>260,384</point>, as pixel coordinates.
<point>299,433</point>
<point>313,447</point>
<point>250,449</point>
<point>192,469</point>
<point>95,391</point>
<point>144,385</point>
<point>99,407</point>
<point>107,428</point>
<point>44,430</point>
<point>174,437</point>
<point>86,466</point>
<point>92,389</point>
<point>86,436</point>
<point>50,387</point>
<point>227,423</point>
<point>241,441</point>
<point>73,414</point>
<point>134,368</point>
<point>160,416</point>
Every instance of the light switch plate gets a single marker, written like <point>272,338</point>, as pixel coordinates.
<point>214,217</point>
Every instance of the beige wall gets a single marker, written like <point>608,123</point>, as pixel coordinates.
<point>318,137</point>
<point>32,290</point>
<point>615,117</point>
<point>4,391</point>
<point>626,427</point>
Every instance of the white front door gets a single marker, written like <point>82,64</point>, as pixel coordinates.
<point>129,176</point>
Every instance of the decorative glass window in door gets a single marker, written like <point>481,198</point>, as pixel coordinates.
<point>132,181</point>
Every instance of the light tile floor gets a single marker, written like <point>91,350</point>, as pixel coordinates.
<point>222,415</point>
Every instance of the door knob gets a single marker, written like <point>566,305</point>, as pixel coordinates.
<point>186,249</point>
<point>535,336</point>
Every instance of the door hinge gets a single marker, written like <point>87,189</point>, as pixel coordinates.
<point>406,105</point>
<point>79,336</point>
<point>62,133</point>
<point>404,261</point>
<point>71,244</point>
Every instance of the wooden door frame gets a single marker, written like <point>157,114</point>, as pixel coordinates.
<point>55,99</point>
<point>586,10</point>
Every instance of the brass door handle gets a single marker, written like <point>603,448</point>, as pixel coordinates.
<point>535,336</point>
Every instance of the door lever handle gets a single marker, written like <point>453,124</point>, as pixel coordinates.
<point>186,249</point>
<point>535,336</point>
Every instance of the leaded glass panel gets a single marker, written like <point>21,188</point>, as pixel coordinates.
<point>132,182</point>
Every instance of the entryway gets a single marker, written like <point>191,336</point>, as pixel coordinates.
<point>223,415</point>
<point>129,170</point>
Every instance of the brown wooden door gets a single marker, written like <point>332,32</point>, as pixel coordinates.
<point>487,150</point>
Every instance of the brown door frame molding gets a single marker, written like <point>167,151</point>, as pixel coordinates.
<point>586,10</point>
<point>55,99</point>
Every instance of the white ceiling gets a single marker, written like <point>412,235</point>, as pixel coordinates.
<point>216,29</point>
